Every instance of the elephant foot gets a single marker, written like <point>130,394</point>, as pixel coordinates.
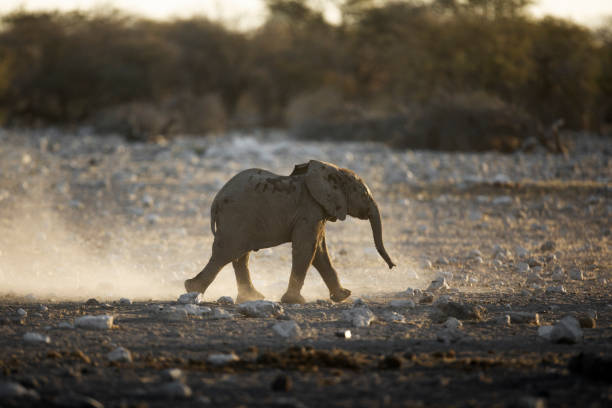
<point>192,286</point>
<point>247,295</point>
<point>340,295</point>
<point>293,299</point>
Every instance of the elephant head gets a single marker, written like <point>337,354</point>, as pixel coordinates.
<point>340,192</point>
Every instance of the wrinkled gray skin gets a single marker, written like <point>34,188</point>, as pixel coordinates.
<point>258,209</point>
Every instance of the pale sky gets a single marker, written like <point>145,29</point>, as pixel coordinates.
<point>249,13</point>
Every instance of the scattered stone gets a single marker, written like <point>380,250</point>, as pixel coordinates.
<point>522,267</point>
<point>502,201</point>
<point>190,298</point>
<point>220,314</point>
<point>147,200</point>
<point>448,336</point>
<point>452,323</point>
<point>426,298</point>
<point>426,264</point>
<point>439,284</point>
<point>15,390</point>
<point>21,312</point>
<point>359,316</point>
<point>460,311</point>
<point>393,317</point>
<point>533,263</point>
<point>359,302</point>
<point>521,252</point>
<point>545,331</point>
<point>524,318</point>
<point>43,308</point>
<point>174,389</point>
<point>550,258</point>
<point>225,300</point>
<point>504,320</point>
<point>172,374</point>
<point>288,329</point>
<point>222,359</point>
<point>548,246</point>
<point>65,325</point>
<point>92,301</point>
<point>120,354</point>
<point>576,274</point>
<point>402,304</point>
<point>33,337</point>
<point>529,402</point>
<point>174,314</point>
<point>558,274</point>
<point>125,301</point>
<point>260,308</point>
<point>566,331</point>
<point>99,322</point>
<point>30,298</point>
<point>556,289</point>
<point>344,334</point>
<point>442,261</point>
<point>282,383</point>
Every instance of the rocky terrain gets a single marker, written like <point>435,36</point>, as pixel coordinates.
<point>501,296</point>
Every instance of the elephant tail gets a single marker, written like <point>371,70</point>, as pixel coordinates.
<point>213,217</point>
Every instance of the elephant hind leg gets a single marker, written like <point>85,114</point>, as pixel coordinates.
<point>246,290</point>
<point>324,266</point>
<point>220,257</point>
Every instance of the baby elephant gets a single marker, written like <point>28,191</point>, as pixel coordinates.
<point>258,209</point>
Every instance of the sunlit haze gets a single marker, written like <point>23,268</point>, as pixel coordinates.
<point>250,13</point>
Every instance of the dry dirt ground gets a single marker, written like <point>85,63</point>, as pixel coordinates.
<point>84,217</point>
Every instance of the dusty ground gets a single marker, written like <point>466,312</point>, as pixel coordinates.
<point>97,217</point>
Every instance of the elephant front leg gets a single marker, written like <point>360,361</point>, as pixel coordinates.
<point>304,242</point>
<point>246,290</point>
<point>323,264</point>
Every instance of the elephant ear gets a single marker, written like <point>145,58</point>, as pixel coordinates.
<point>324,182</point>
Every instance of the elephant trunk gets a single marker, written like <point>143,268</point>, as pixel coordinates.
<point>376,224</point>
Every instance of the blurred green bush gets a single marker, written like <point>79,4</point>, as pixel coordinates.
<point>475,74</point>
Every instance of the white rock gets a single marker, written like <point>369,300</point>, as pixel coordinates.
<point>174,314</point>
<point>439,284</point>
<point>426,264</point>
<point>407,292</point>
<point>15,390</point>
<point>475,253</point>
<point>125,301</point>
<point>448,336</point>
<point>21,312</point>
<point>221,359</point>
<point>174,389</point>
<point>172,374</point>
<point>556,289</point>
<point>521,252</point>
<point>359,316</point>
<point>196,310</point>
<point>402,304</point>
<point>522,267</point>
<point>359,302</point>
<point>65,325</point>
<point>30,297</point>
<point>43,308</point>
<point>287,329</point>
<point>98,322</point>
<point>120,354</point>
<point>190,298</point>
<point>147,200</point>
<point>567,331</point>
<point>545,331</point>
<point>260,308</point>
<point>502,200</point>
<point>225,300</point>
<point>576,274</point>
<point>220,314</point>
<point>393,317</point>
<point>447,275</point>
<point>452,323</point>
<point>32,337</point>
